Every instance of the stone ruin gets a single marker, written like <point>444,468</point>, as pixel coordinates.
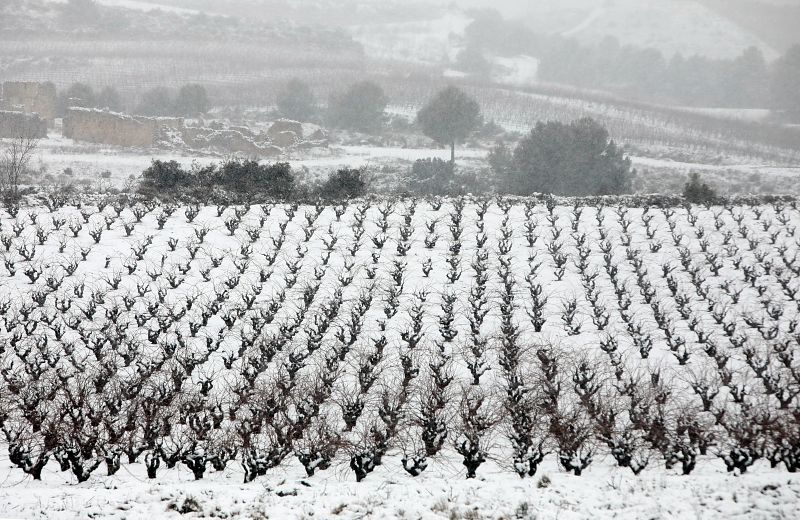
<point>235,139</point>
<point>31,108</point>
<point>104,127</point>
<point>279,137</point>
<point>19,124</point>
<point>285,133</point>
<point>30,98</point>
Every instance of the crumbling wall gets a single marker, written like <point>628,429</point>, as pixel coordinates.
<point>103,127</point>
<point>285,125</point>
<point>172,123</point>
<point>19,124</point>
<point>98,126</point>
<point>31,98</point>
<point>228,140</point>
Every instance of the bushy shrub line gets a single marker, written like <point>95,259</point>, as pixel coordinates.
<point>245,179</point>
<point>242,181</point>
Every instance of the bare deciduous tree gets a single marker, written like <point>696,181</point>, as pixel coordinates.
<point>15,160</point>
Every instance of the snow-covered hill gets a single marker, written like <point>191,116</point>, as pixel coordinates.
<point>685,26</point>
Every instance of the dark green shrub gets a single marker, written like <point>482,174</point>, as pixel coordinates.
<point>273,180</point>
<point>165,175</point>
<point>205,175</point>
<point>244,177</point>
<point>575,159</point>
<point>346,183</point>
<point>432,176</point>
<point>697,191</point>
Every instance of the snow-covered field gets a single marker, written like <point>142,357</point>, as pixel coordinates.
<point>439,493</point>
<point>609,349</point>
<point>89,161</point>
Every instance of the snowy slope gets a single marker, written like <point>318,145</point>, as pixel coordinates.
<point>671,26</point>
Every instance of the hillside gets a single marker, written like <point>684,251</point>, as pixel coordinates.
<point>323,12</point>
<point>125,45</point>
<point>715,28</point>
<point>775,21</point>
<point>685,26</point>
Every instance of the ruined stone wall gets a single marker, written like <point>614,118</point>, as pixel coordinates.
<point>104,127</point>
<point>228,140</point>
<point>173,123</point>
<point>31,98</point>
<point>19,124</point>
<point>97,126</point>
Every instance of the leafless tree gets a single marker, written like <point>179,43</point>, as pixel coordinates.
<point>15,160</point>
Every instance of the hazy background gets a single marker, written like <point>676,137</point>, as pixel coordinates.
<point>699,83</point>
<point>322,40</point>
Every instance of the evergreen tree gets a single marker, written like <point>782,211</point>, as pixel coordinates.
<point>192,100</point>
<point>449,118</point>
<point>697,191</point>
<point>77,95</point>
<point>296,101</point>
<point>156,102</point>
<point>472,60</point>
<point>109,98</point>
<point>574,159</point>
<point>361,108</point>
<point>747,80</point>
<point>785,82</point>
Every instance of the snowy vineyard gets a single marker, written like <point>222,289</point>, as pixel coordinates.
<point>395,333</point>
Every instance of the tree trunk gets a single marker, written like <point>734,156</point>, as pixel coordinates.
<point>453,154</point>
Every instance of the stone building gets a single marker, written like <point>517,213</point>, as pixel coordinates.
<point>31,98</point>
<point>20,124</point>
<point>103,127</point>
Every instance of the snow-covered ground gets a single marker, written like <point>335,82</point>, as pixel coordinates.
<point>440,493</point>
<point>87,161</point>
